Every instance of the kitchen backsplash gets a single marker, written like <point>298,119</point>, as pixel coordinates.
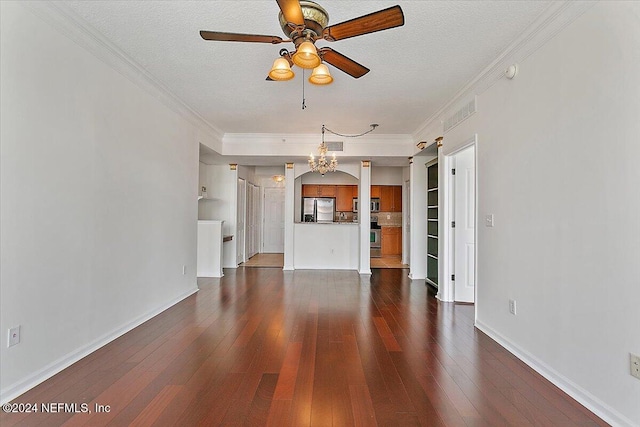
<point>389,219</point>
<point>345,216</point>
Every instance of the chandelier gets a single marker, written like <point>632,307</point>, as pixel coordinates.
<point>322,165</point>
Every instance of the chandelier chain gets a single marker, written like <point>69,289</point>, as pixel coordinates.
<point>373,127</point>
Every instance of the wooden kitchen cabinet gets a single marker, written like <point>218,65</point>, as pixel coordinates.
<point>391,240</point>
<point>397,198</point>
<point>390,198</point>
<point>312,190</point>
<point>344,198</point>
<point>375,191</point>
<point>386,198</point>
<point>326,191</point>
<point>309,191</point>
<point>355,191</point>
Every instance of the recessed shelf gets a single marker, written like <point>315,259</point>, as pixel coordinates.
<point>432,224</point>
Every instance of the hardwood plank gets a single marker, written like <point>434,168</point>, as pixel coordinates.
<point>259,408</point>
<point>288,372</point>
<point>153,410</point>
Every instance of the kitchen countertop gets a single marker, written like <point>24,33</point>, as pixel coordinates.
<point>330,223</point>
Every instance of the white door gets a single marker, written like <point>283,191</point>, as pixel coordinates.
<point>240,231</point>
<point>273,220</point>
<point>464,215</point>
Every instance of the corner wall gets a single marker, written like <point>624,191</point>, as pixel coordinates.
<point>557,156</point>
<point>98,201</point>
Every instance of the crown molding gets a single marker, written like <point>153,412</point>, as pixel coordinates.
<point>548,24</point>
<point>61,17</point>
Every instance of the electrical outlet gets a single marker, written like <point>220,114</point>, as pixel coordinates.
<point>635,365</point>
<point>184,270</point>
<point>14,336</point>
<point>512,306</point>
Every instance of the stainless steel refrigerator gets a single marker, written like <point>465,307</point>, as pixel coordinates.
<point>318,209</point>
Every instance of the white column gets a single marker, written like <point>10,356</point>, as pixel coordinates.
<point>418,221</point>
<point>230,248</point>
<point>364,216</point>
<point>445,290</point>
<point>289,194</point>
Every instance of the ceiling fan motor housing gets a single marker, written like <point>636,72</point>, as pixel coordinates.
<point>315,20</point>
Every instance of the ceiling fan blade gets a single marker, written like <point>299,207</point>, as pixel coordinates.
<point>236,37</point>
<point>291,11</point>
<point>376,21</point>
<point>343,63</point>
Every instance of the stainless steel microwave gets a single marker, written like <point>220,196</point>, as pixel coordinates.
<point>375,205</point>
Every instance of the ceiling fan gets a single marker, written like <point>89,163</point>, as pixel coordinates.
<point>305,22</point>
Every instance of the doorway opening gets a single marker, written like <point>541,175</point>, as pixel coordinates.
<point>271,252</point>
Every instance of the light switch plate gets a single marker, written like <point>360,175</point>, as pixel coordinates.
<point>14,336</point>
<point>488,220</point>
<point>635,365</point>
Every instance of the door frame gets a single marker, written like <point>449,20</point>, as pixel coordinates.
<point>446,291</point>
<point>241,184</point>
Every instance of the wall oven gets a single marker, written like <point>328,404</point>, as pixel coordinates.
<point>374,233</point>
<point>355,205</point>
<point>375,239</point>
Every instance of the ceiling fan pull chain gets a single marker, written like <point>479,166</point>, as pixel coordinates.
<point>303,100</point>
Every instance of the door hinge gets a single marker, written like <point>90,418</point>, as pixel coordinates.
<point>453,277</point>
<point>453,224</point>
<point>453,171</point>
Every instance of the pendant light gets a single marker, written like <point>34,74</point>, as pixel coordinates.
<point>321,75</point>
<point>306,56</point>
<point>281,70</point>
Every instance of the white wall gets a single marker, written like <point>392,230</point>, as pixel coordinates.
<point>331,178</point>
<point>558,151</point>
<point>221,183</point>
<point>326,246</point>
<point>98,201</point>
<point>386,175</point>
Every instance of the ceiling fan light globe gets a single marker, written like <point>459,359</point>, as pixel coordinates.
<point>321,75</point>
<point>306,56</point>
<point>281,70</point>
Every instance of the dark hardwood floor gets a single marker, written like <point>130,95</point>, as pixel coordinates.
<point>322,348</point>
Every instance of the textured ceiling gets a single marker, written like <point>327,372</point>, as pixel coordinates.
<point>415,69</point>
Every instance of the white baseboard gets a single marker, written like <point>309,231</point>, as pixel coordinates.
<point>585,398</point>
<point>16,389</point>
